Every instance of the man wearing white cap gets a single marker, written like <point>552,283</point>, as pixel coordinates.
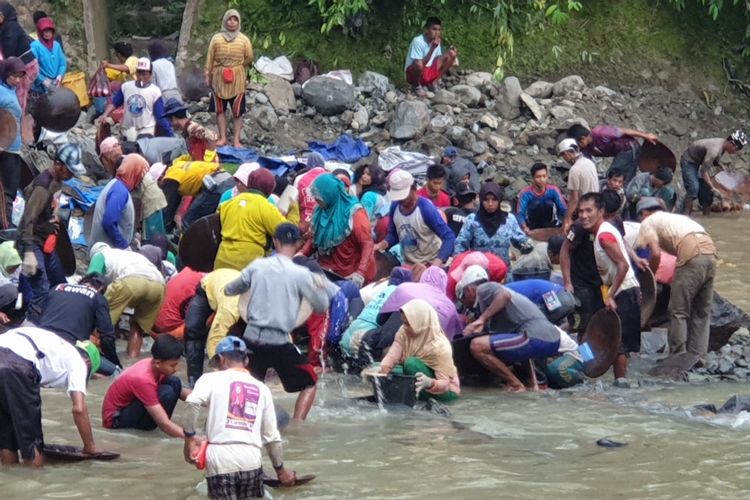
<point>416,224</point>
<point>240,176</point>
<point>143,104</point>
<point>520,332</point>
<point>582,177</point>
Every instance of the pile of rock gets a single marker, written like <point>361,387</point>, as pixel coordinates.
<point>730,362</point>
<point>505,124</point>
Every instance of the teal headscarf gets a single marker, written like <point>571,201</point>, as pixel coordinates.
<point>333,224</point>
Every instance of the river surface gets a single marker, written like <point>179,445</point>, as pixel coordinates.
<point>494,445</point>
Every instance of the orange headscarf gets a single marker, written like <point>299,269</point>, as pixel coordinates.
<point>132,170</point>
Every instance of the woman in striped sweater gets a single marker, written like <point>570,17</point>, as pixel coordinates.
<point>229,53</point>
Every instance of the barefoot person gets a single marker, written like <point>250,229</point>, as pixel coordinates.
<point>241,419</point>
<point>425,61</point>
<point>229,54</point>
<point>527,334</point>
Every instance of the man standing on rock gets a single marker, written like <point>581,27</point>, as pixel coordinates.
<point>416,224</point>
<point>425,61</point>
<point>693,283</point>
<point>621,144</point>
<point>582,177</point>
<point>459,169</point>
<point>696,163</point>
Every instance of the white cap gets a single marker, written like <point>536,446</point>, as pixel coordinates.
<point>144,64</point>
<point>473,274</point>
<point>243,171</point>
<point>399,184</point>
<point>569,144</point>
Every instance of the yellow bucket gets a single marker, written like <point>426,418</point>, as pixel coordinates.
<point>76,81</point>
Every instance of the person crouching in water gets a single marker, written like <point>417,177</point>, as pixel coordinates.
<point>232,457</point>
<point>422,349</point>
<point>277,288</point>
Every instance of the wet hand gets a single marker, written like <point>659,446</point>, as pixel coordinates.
<point>474,327</point>
<point>357,279</point>
<point>652,138</point>
<point>287,478</point>
<point>423,382</point>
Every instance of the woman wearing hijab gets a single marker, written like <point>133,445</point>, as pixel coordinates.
<point>422,349</point>
<point>316,166</point>
<point>491,229</point>
<point>229,53</point>
<point>432,288</point>
<point>15,42</point>
<point>163,71</point>
<point>52,61</point>
<point>114,212</point>
<point>10,262</point>
<point>248,222</point>
<point>342,237</point>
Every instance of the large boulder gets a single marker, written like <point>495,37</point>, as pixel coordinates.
<point>410,119</point>
<point>533,106</point>
<point>280,94</point>
<point>513,90</point>
<point>478,79</point>
<point>446,97</point>
<point>441,123</point>
<point>540,90</point>
<point>327,95</point>
<point>569,83</point>
<point>374,83</point>
<point>461,137</point>
<point>264,116</point>
<point>468,95</point>
<point>360,118</point>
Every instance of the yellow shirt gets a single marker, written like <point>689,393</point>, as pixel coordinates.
<point>132,63</point>
<point>190,174</point>
<point>226,309</point>
<point>248,221</point>
<point>235,55</point>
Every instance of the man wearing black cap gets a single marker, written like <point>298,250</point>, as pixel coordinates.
<point>278,287</point>
<point>459,169</point>
<point>466,199</point>
<point>198,138</point>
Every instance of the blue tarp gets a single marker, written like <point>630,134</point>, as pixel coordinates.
<point>345,149</point>
<point>85,195</point>
<point>230,154</point>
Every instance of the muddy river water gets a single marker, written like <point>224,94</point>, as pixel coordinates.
<point>493,446</point>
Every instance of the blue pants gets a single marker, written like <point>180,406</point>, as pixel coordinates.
<point>135,415</point>
<point>49,274</point>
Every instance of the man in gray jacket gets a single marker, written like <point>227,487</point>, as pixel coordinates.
<point>278,288</point>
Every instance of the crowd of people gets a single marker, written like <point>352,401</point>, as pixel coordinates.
<point>367,269</point>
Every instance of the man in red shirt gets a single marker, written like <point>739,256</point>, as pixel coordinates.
<point>433,190</point>
<point>144,396</point>
<point>179,292</point>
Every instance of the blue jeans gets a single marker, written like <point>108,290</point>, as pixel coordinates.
<point>690,178</point>
<point>627,161</point>
<point>135,415</point>
<point>49,274</point>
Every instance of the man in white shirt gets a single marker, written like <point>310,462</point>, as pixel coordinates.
<point>582,177</point>
<point>623,295</point>
<point>241,419</point>
<point>31,358</point>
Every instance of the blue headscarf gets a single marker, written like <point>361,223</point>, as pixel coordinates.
<point>332,224</point>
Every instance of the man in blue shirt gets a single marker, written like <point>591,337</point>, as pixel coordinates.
<point>13,72</point>
<point>425,61</point>
<point>541,204</point>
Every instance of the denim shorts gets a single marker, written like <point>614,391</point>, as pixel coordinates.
<point>690,178</point>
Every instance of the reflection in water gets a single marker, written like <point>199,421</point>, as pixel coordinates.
<point>525,446</point>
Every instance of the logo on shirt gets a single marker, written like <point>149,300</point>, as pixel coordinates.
<point>408,237</point>
<point>243,406</point>
<point>136,104</point>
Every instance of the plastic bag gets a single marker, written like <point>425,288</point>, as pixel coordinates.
<point>99,86</point>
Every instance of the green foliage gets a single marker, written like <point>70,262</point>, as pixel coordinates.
<point>714,8</point>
